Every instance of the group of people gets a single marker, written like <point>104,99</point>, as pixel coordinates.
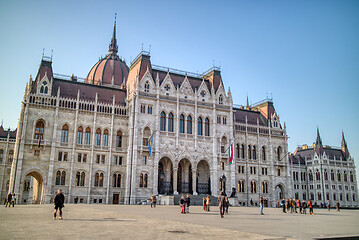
<point>10,200</point>
<point>223,204</point>
<point>153,201</point>
<point>185,203</point>
<point>206,203</point>
<point>296,206</point>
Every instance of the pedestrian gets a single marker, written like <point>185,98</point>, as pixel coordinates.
<point>291,205</point>
<point>310,205</point>
<point>153,201</point>
<point>204,204</point>
<point>287,205</point>
<point>188,203</point>
<point>182,203</point>
<point>221,204</point>
<point>13,200</point>
<point>227,205</point>
<point>299,206</point>
<point>337,206</point>
<point>208,203</point>
<point>295,205</point>
<point>304,207</point>
<point>328,205</point>
<point>251,202</point>
<point>59,203</point>
<point>283,205</point>
<point>261,204</point>
<point>8,199</point>
<point>278,204</point>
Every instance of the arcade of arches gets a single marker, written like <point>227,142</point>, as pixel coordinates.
<point>183,178</point>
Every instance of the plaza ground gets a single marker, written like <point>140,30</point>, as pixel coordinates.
<point>83,221</point>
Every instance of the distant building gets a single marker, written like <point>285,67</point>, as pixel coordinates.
<point>323,173</point>
<point>7,143</point>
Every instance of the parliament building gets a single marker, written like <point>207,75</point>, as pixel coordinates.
<point>91,138</point>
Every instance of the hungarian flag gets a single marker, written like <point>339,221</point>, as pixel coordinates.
<point>230,154</point>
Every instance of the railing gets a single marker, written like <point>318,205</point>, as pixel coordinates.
<point>203,188</point>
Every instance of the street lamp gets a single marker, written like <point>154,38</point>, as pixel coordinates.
<point>224,179</point>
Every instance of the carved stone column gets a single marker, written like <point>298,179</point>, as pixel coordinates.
<point>194,182</point>
<point>175,170</point>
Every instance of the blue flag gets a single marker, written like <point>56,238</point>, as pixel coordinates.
<point>150,145</point>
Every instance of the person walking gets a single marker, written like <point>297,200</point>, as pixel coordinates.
<point>188,203</point>
<point>337,206</point>
<point>59,203</point>
<point>299,205</point>
<point>221,204</point>
<point>328,205</point>
<point>261,204</point>
<point>13,200</point>
<point>227,205</point>
<point>283,205</point>
<point>208,203</point>
<point>304,207</point>
<point>8,199</point>
<point>310,205</point>
<point>204,204</point>
<point>291,201</point>
<point>153,201</point>
<point>182,203</point>
<point>287,205</point>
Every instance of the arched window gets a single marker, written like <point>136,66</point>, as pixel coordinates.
<point>339,177</point>
<point>42,89</point>
<point>105,138</point>
<point>254,153</point>
<point>98,137</point>
<point>220,99</point>
<point>46,90</point>
<point>242,151</point>
<point>170,122</point>
<point>163,121</point>
<point>310,175</point>
<point>100,179</point>
<point>58,177</point>
<point>237,151</point>
<point>264,153</point>
<point>223,144</point>
<point>317,175</point>
<point>325,175</point>
<point>241,186</point>
<point>87,136</point>
<point>39,130</point>
<point>351,177</point>
<point>1,155</point>
<point>319,196</point>
<point>200,127</point>
<point>77,181</point>
<point>206,127</point>
<point>65,133</point>
<point>304,196</point>
<point>279,152</point>
<point>145,180</point>
<point>141,180</point>
<point>63,178</point>
<point>312,196</point>
<point>82,179</point>
<point>249,152</point>
<point>80,131</point>
<point>332,174</point>
<point>116,181</point>
<point>181,124</point>
<point>189,124</point>
<point>264,187</point>
<point>253,187</point>
<point>97,177</point>
<point>345,176</point>
<point>10,156</point>
<point>119,139</point>
<point>147,86</point>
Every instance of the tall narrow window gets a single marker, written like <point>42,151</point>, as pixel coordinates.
<point>241,186</point>
<point>87,136</point>
<point>141,180</point>
<point>279,152</point>
<point>116,179</point>
<point>189,124</point>
<point>254,153</point>
<point>82,180</point>
<point>77,183</point>
<point>339,177</point>
<point>119,139</point>
<point>105,138</point>
<point>64,133</point>
<point>206,127</point>
<point>39,130</point>
<point>58,178</point>
<point>98,137</point>
<point>263,153</point>
<point>199,126</point>
<point>249,152</point>
<point>100,182</point>
<point>237,151</point>
<point>163,121</point>
<point>1,155</point>
<point>220,99</point>
<point>97,177</point>
<point>181,124</point>
<point>145,181</point>
<point>242,151</point>
<point>63,178</point>
<point>79,135</point>
<point>147,86</point>
<point>170,122</point>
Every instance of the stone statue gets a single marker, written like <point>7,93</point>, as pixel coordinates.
<point>233,194</point>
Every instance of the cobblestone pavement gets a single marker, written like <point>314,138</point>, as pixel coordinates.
<point>164,222</point>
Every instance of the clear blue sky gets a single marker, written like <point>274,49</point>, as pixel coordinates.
<point>303,53</point>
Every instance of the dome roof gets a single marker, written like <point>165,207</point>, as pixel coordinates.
<point>110,70</point>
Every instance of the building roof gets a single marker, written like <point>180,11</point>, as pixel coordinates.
<point>4,133</point>
<point>252,117</point>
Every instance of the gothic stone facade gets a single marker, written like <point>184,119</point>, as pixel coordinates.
<point>324,174</point>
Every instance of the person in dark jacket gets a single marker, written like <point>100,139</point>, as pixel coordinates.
<point>182,203</point>
<point>59,203</point>
<point>227,205</point>
<point>283,205</point>
<point>8,199</point>
<point>221,204</point>
<point>188,203</point>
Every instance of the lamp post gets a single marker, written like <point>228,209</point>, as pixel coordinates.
<point>224,179</point>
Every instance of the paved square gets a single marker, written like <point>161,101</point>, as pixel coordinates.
<point>164,222</point>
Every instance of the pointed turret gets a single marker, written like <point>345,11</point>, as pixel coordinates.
<point>318,144</point>
<point>113,48</point>
<point>247,104</point>
<point>344,146</point>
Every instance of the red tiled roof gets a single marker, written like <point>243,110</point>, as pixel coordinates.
<point>69,89</point>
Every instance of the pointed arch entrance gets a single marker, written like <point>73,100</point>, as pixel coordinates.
<point>165,176</point>
<point>203,178</point>
<point>184,177</point>
<point>32,188</point>
<point>279,192</point>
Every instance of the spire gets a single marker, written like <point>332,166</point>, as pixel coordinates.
<point>318,144</point>
<point>344,146</point>
<point>319,139</point>
<point>247,105</point>
<point>112,49</point>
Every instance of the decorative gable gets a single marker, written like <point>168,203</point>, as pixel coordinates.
<point>167,86</point>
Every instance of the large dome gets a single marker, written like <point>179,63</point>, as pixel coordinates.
<point>110,70</point>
